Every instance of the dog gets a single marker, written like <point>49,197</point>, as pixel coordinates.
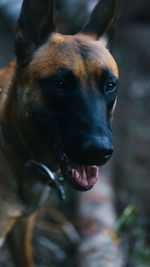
<point>56,105</point>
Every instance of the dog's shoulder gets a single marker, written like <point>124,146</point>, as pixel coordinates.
<point>6,75</point>
<point>6,79</point>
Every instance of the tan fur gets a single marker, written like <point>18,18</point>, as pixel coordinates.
<point>65,51</point>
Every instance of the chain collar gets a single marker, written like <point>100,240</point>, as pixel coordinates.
<point>48,177</point>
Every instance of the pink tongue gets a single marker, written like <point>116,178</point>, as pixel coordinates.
<point>86,175</point>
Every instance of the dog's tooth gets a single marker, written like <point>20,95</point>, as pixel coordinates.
<point>72,172</point>
<point>1,241</point>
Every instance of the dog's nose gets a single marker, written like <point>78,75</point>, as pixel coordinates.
<point>99,149</point>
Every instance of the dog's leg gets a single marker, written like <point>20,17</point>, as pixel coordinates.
<point>19,241</point>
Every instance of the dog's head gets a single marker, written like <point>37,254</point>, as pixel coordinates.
<point>67,88</point>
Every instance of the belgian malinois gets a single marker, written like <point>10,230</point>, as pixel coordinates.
<point>56,105</point>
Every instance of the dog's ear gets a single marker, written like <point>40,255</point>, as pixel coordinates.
<point>102,20</point>
<point>34,26</point>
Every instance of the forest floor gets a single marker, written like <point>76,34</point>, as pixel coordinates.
<point>132,138</point>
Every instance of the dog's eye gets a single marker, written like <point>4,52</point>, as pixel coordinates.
<point>60,84</point>
<point>110,87</point>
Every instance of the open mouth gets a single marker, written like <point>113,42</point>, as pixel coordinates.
<point>78,176</point>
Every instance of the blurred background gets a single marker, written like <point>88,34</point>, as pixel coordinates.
<point>58,229</point>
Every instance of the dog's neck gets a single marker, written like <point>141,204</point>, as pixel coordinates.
<point>20,134</point>
<point>8,101</point>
